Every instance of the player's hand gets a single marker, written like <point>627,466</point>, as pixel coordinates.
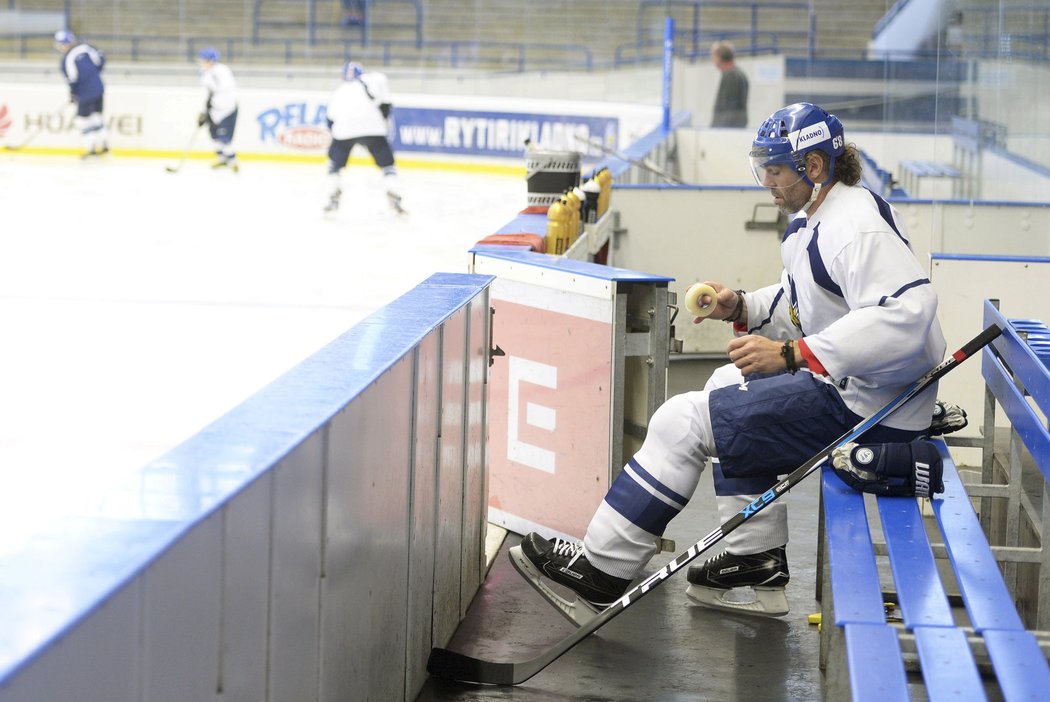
<point>756,354</point>
<point>726,302</point>
<point>202,118</point>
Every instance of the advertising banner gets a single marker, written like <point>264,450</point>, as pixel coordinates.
<point>550,403</point>
<point>291,124</point>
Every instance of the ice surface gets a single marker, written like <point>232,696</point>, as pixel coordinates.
<point>137,305</point>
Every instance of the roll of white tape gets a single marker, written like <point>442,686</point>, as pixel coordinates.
<point>692,299</point>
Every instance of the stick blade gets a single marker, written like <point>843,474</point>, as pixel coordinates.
<point>456,666</point>
<point>171,169</point>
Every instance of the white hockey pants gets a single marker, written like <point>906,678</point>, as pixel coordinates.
<point>677,446</point>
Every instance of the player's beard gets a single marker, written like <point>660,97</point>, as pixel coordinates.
<point>794,197</point>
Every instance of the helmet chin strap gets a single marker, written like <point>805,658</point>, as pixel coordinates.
<point>814,194</point>
<point>817,186</point>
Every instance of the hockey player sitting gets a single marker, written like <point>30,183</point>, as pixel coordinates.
<point>851,322</point>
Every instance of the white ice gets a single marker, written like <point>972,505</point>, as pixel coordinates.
<point>137,305</point>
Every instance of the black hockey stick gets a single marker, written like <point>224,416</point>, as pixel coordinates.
<point>186,153</point>
<point>457,666</point>
<point>35,133</point>
<point>644,164</point>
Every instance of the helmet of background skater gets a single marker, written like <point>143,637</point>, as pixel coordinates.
<point>352,70</point>
<point>64,38</point>
<point>792,132</point>
<point>210,54</point>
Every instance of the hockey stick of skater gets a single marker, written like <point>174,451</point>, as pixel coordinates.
<point>186,153</point>
<point>457,666</point>
<point>644,163</point>
<point>36,132</point>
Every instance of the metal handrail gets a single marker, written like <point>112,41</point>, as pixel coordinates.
<point>516,56</point>
<point>754,8</point>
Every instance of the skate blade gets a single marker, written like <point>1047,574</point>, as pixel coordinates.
<point>768,602</point>
<point>578,612</point>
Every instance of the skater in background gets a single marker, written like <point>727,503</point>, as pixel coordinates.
<point>731,102</point>
<point>220,107</point>
<point>357,112</point>
<point>82,66</point>
<point>849,325</point>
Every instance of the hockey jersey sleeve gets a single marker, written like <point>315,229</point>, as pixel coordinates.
<point>769,312</point>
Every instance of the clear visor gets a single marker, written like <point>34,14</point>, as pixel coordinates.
<point>772,171</point>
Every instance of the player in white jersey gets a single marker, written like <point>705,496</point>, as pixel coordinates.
<point>851,323</point>
<point>82,66</point>
<point>357,112</point>
<point>220,107</point>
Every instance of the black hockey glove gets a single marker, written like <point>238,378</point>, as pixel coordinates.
<point>890,469</point>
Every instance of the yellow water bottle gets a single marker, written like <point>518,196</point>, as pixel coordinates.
<point>557,227</point>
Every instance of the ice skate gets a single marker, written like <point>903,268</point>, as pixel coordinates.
<point>395,202</point>
<point>563,562</point>
<point>94,153</point>
<point>333,201</point>
<point>721,581</point>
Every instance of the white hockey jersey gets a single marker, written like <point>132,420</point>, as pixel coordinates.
<point>218,80</point>
<point>853,288</point>
<point>354,107</point>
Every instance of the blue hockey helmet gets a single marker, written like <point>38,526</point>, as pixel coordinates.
<point>352,70</point>
<point>64,37</point>
<point>792,132</point>
<point>210,54</point>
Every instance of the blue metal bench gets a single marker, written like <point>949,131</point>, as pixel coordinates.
<point>912,172</point>
<point>1016,372</point>
<point>960,629</point>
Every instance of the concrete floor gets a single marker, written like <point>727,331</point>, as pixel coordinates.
<point>662,648</point>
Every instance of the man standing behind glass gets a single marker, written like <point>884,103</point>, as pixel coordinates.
<point>731,101</point>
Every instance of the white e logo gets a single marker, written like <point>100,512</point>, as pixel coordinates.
<point>524,371</point>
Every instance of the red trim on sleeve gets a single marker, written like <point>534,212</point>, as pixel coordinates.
<point>740,326</point>
<point>811,361</point>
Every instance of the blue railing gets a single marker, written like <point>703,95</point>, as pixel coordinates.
<point>881,25</point>
<point>992,33</point>
<point>690,46</point>
<point>368,25</point>
<point>512,56</point>
<point>754,38</point>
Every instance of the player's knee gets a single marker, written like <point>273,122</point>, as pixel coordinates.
<point>674,416</point>
<point>724,376</point>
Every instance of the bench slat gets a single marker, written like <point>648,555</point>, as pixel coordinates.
<point>876,668</point>
<point>930,169</point>
<point>854,577</point>
<point>948,668</point>
<point>1020,666</point>
<point>987,600</point>
<point>919,588</point>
